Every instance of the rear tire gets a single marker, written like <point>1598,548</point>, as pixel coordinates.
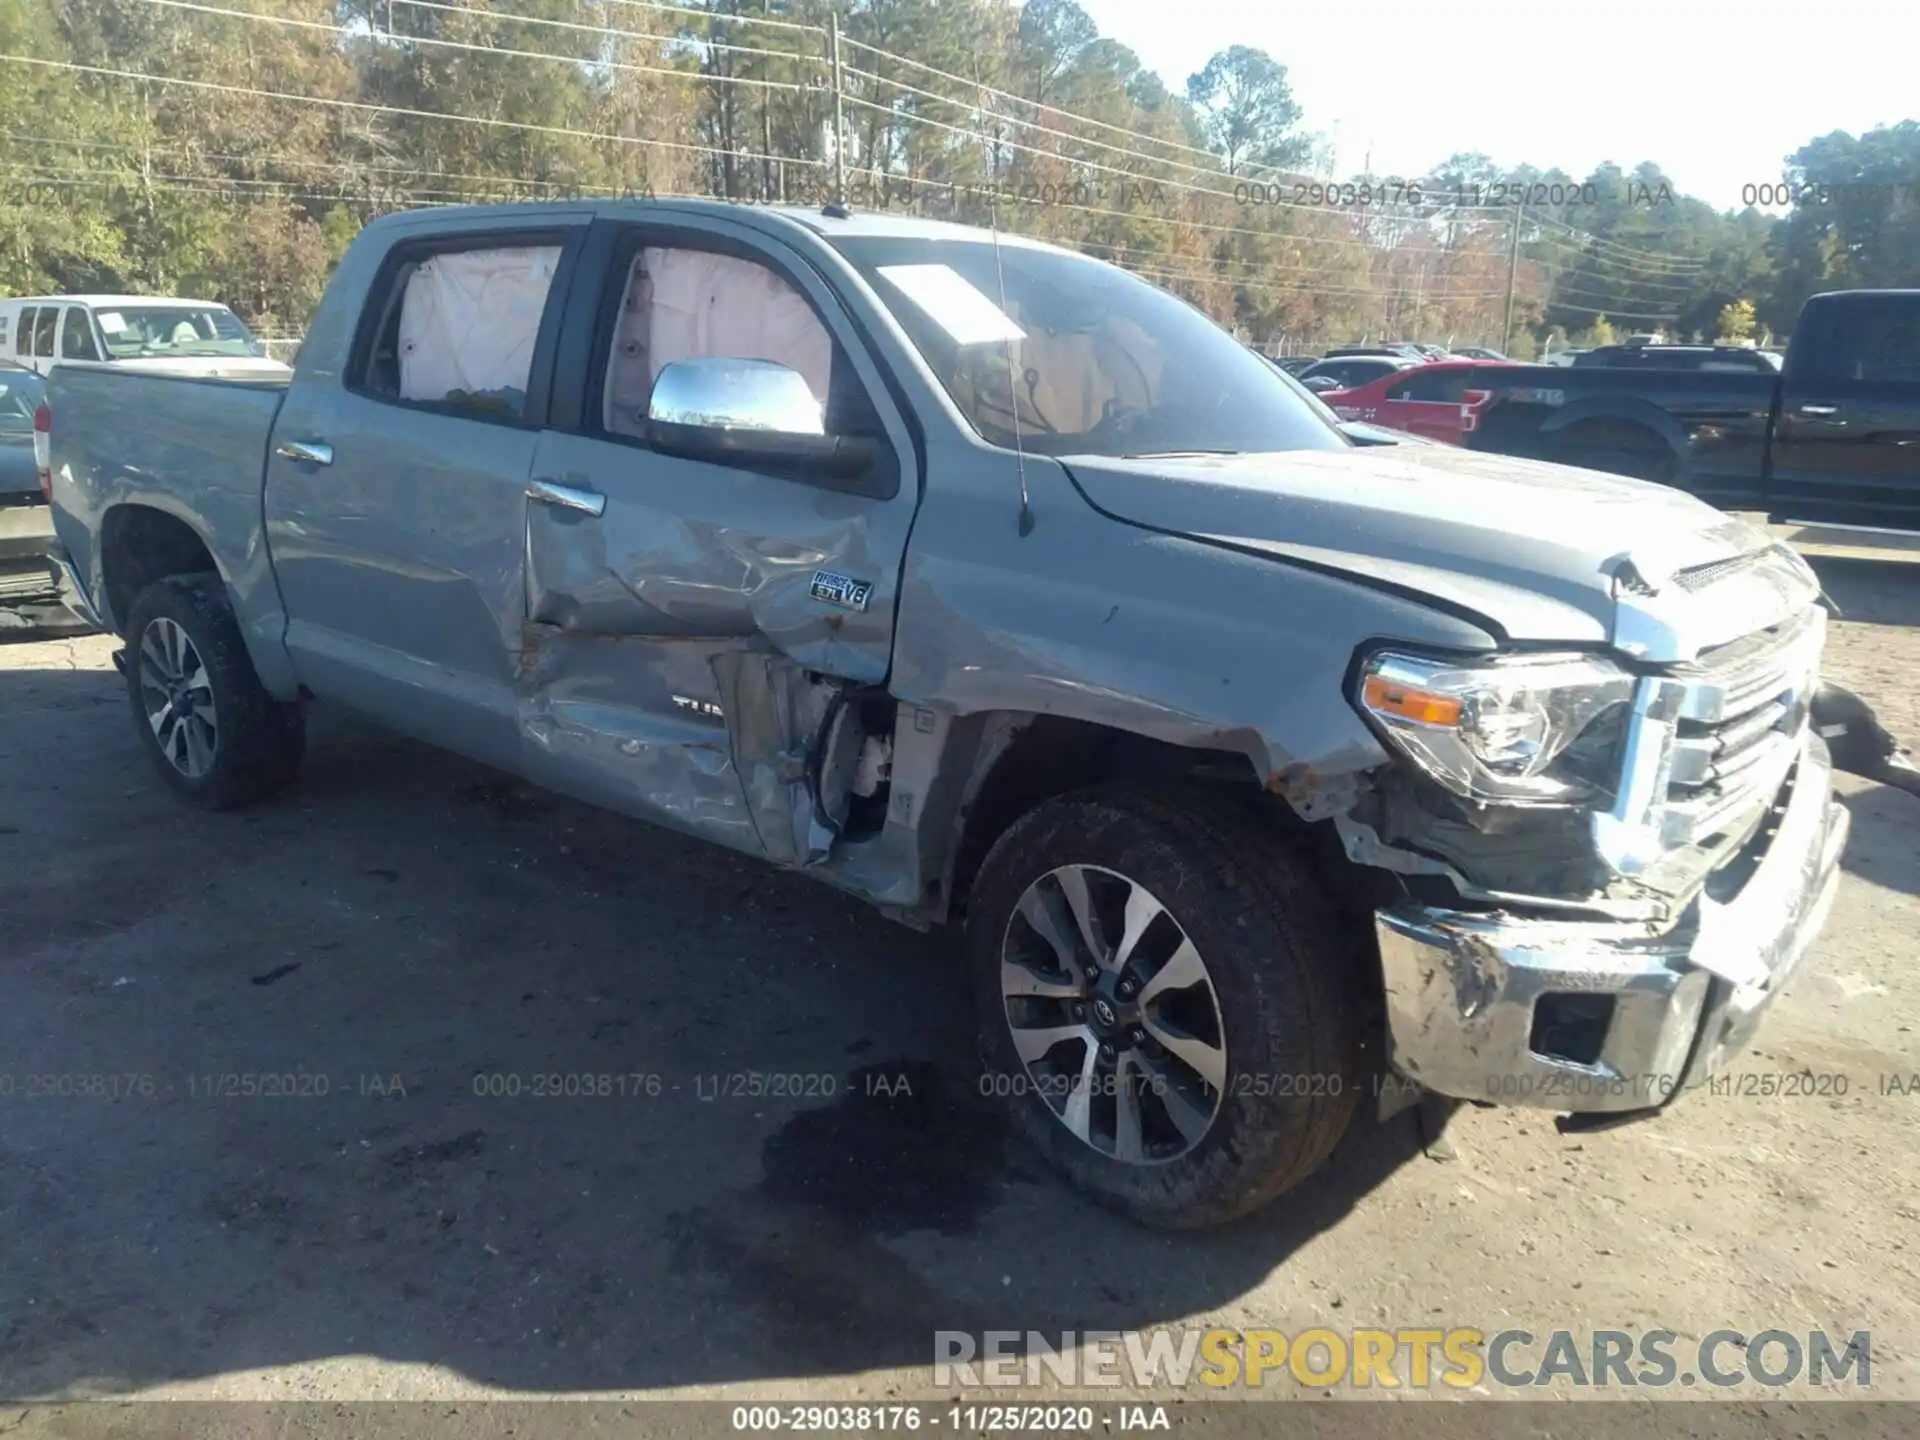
<point>1619,449</point>
<point>1278,988</point>
<point>215,734</point>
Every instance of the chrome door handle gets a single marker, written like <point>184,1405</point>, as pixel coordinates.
<point>311,451</point>
<point>1819,409</point>
<point>568,497</point>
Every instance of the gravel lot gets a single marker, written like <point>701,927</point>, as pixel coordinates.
<point>404,922</point>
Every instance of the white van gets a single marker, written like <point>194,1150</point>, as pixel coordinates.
<point>132,332</point>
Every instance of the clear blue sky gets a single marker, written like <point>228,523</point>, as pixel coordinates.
<point>1717,93</point>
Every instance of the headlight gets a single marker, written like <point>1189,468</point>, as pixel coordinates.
<point>1527,728</point>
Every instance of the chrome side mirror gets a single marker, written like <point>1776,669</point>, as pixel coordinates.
<point>756,415</point>
<point>726,394</point>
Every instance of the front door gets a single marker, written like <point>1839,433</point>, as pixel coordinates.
<point>1846,444</point>
<point>695,628</point>
<point>396,495</point>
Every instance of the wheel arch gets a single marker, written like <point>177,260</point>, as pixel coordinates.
<point>1624,412</point>
<point>141,542</point>
<point>1020,759</point>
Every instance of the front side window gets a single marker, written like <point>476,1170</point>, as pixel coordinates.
<point>1875,342</point>
<point>457,329</point>
<point>1076,357</point>
<point>161,332</point>
<point>76,336</point>
<point>679,304</point>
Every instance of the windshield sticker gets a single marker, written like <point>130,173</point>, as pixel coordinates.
<point>952,303</point>
<point>112,322</point>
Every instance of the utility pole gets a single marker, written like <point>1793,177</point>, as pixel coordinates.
<point>839,111</point>
<point>1513,271</point>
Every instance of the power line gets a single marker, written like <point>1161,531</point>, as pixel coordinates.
<point>597,30</point>
<point>711,15</point>
<point>367,107</point>
<point>1036,105</point>
<point>341,30</point>
<point>1628,251</point>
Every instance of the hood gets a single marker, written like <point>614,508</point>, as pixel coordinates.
<point>1530,548</point>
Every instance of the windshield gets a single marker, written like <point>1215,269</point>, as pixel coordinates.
<point>141,332</point>
<point>1102,363</point>
<point>20,393</point>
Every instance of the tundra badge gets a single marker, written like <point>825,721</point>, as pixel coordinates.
<point>832,588</point>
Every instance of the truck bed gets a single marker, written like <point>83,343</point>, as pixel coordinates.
<point>192,446</point>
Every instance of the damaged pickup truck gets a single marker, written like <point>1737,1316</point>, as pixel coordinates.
<point>990,584</point>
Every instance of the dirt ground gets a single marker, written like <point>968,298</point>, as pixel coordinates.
<point>403,926</point>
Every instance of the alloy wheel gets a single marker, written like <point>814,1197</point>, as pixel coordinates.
<point>1113,1014</point>
<point>176,696</point>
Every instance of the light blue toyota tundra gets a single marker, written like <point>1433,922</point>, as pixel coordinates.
<point>992,585</point>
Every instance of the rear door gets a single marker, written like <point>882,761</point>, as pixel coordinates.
<point>690,643</point>
<point>1846,444</point>
<point>396,495</point>
<point>1427,402</point>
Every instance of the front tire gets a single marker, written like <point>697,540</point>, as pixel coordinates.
<point>215,734</point>
<point>1165,1001</point>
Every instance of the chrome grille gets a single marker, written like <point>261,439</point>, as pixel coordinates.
<point>1741,715</point>
<point>1698,577</point>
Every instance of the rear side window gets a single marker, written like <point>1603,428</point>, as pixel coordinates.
<point>43,324</point>
<point>76,336</point>
<point>23,336</point>
<point>1870,343</point>
<point>457,328</point>
<point>1449,387</point>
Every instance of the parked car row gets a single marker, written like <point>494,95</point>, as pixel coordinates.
<point>1829,434</point>
<point>989,584</point>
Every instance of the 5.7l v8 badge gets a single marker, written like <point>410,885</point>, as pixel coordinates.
<point>832,588</point>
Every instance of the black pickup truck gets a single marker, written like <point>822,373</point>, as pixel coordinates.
<point>1834,439</point>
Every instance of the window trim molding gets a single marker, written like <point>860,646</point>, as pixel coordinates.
<point>384,295</point>
<point>580,395</point>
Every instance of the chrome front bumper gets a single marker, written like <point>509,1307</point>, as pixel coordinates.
<point>1467,992</point>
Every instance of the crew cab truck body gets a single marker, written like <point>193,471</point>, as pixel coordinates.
<point>1833,439</point>
<point>992,585</point>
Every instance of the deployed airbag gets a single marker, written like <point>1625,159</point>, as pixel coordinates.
<point>693,304</point>
<point>469,319</point>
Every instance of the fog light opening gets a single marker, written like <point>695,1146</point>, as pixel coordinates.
<point>1571,1027</point>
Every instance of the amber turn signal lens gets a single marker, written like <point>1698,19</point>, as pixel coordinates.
<point>1423,707</point>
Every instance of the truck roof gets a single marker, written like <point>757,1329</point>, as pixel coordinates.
<point>148,300</point>
<point>854,223</point>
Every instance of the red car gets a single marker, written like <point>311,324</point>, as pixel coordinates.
<point>1438,401</point>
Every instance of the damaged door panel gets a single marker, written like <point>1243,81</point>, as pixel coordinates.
<point>634,723</point>
<point>705,639</point>
<point>684,648</point>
